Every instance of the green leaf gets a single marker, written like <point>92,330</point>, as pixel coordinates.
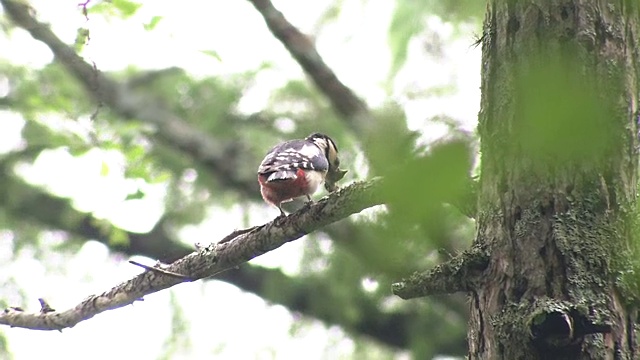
<point>122,8</point>
<point>152,23</point>
<point>104,169</point>
<point>212,53</point>
<point>118,237</point>
<point>405,23</point>
<point>409,18</point>
<point>127,8</point>
<point>82,38</point>
<point>136,195</point>
<point>331,14</point>
<point>159,177</point>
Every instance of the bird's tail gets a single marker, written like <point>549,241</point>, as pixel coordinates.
<point>282,175</point>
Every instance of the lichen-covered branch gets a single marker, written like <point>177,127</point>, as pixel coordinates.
<point>390,328</point>
<point>208,261</point>
<point>457,274</point>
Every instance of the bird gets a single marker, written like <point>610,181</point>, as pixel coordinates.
<point>297,167</point>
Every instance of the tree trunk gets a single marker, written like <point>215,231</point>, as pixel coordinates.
<point>559,130</point>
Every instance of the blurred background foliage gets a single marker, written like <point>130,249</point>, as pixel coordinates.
<point>342,275</point>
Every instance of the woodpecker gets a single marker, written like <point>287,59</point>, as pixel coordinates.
<point>296,168</point>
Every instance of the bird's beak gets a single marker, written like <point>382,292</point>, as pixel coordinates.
<point>332,178</point>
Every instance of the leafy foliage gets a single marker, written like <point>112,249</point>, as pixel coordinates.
<point>410,18</point>
<point>350,273</point>
<point>119,8</point>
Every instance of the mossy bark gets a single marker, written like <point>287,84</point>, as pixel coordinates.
<point>559,130</point>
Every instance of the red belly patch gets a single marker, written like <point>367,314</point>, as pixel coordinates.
<point>276,192</point>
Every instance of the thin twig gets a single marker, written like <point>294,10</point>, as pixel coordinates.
<point>45,307</point>
<point>85,12</point>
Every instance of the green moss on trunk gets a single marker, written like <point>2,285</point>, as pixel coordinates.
<point>558,124</point>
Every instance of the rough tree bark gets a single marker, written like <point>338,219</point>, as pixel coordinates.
<point>559,132</point>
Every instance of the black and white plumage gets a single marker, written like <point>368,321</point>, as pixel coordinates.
<point>296,168</point>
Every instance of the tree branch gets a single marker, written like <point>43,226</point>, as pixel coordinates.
<point>171,129</point>
<point>209,261</point>
<point>391,328</point>
<point>220,158</point>
<point>343,99</point>
<point>457,274</point>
